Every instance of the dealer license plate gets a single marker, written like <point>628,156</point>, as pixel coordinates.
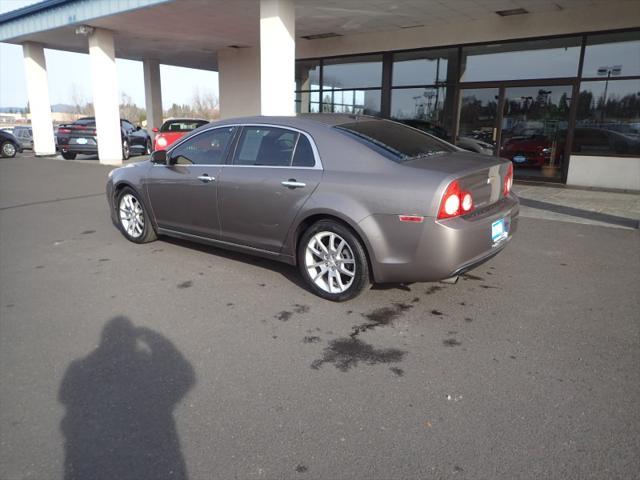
<point>499,230</point>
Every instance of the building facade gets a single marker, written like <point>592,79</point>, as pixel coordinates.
<point>556,106</point>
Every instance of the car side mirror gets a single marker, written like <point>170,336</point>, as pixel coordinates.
<point>155,129</point>
<point>137,128</point>
<point>159,157</point>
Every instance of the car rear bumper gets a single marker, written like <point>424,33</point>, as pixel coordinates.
<point>84,149</point>
<point>436,250</point>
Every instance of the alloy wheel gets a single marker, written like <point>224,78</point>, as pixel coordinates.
<point>9,149</point>
<point>131,215</point>
<point>330,262</point>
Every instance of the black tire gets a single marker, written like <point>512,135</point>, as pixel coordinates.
<point>8,149</point>
<point>148,148</point>
<point>361,276</point>
<point>126,149</point>
<point>147,233</point>
<point>68,155</point>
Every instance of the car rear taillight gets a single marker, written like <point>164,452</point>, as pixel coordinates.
<point>508,180</point>
<point>455,202</point>
<point>161,141</point>
<point>64,130</point>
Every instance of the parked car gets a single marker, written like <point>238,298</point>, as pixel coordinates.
<point>530,151</point>
<point>80,137</point>
<point>173,129</point>
<point>600,141</point>
<point>537,150</point>
<point>348,199</point>
<point>9,144</point>
<point>25,135</point>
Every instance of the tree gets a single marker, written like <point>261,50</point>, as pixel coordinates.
<point>130,111</point>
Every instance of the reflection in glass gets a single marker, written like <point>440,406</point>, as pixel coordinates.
<point>352,72</point>
<point>519,60</point>
<point>358,102</point>
<point>478,114</point>
<point>424,67</point>
<point>308,75</point>
<point>612,50</point>
<point>534,127</point>
<point>307,102</point>
<point>423,108</point>
<point>608,118</point>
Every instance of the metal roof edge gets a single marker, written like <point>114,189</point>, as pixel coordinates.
<point>29,9</point>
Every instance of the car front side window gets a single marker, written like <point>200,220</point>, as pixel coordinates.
<point>206,148</point>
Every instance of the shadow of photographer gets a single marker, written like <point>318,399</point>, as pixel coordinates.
<point>119,404</point>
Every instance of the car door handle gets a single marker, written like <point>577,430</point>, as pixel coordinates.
<point>206,178</point>
<point>292,183</point>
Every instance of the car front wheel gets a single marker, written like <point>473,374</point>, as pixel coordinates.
<point>333,261</point>
<point>133,220</point>
<point>8,149</point>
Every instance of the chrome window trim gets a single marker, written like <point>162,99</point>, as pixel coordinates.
<point>318,165</point>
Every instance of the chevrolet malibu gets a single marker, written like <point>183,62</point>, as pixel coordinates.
<point>349,200</point>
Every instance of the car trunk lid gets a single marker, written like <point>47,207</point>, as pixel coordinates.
<point>481,175</point>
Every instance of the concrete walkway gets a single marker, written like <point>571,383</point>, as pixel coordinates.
<point>590,207</point>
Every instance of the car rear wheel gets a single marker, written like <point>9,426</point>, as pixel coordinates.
<point>68,155</point>
<point>333,261</point>
<point>133,220</point>
<point>148,149</point>
<point>126,151</point>
<point>8,149</point>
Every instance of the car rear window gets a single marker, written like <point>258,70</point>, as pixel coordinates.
<point>182,125</point>
<point>85,122</point>
<point>395,141</point>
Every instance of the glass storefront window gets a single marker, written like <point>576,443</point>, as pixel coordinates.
<point>358,102</point>
<point>352,72</point>
<point>478,115</point>
<point>425,67</point>
<point>608,118</point>
<point>534,129</point>
<point>307,102</point>
<point>424,108</point>
<point>308,75</point>
<point>612,54</point>
<point>520,60</point>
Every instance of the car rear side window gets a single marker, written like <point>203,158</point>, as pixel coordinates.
<point>303,157</point>
<point>395,141</point>
<point>266,146</point>
<point>207,148</point>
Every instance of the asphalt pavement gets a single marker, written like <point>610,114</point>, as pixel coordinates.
<point>130,361</point>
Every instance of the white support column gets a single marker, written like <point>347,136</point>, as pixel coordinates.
<point>152,94</point>
<point>277,56</point>
<point>38,91</point>
<point>104,78</point>
<point>239,81</point>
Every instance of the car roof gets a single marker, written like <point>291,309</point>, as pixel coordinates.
<point>186,119</point>
<point>309,120</point>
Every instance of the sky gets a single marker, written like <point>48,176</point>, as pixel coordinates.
<point>70,71</point>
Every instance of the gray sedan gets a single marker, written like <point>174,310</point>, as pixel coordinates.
<point>348,199</point>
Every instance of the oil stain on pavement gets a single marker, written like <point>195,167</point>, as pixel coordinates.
<point>346,353</point>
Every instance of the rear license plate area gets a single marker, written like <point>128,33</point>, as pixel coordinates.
<point>499,230</point>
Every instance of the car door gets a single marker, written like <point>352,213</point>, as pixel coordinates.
<point>183,194</point>
<point>132,138</point>
<point>274,170</point>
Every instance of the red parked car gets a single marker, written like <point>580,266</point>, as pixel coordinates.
<point>173,129</point>
<point>531,151</point>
